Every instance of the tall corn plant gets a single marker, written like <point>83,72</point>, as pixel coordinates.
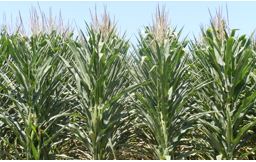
<point>161,104</point>
<point>228,62</point>
<point>102,82</point>
<point>34,84</point>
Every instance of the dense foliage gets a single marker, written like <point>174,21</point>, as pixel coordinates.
<point>96,97</point>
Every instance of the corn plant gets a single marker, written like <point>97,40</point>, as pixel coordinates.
<point>228,62</point>
<point>162,103</point>
<point>34,84</point>
<point>102,82</point>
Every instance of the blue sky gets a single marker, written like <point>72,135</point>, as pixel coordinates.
<point>131,16</point>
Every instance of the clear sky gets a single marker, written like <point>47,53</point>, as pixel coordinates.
<point>132,16</point>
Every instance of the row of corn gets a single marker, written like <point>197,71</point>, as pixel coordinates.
<point>95,96</point>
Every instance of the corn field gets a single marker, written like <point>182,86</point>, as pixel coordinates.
<point>96,96</point>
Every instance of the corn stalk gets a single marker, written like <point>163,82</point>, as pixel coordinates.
<point>228,62</point>
<point>162,103</point>
<point>34,85</point>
